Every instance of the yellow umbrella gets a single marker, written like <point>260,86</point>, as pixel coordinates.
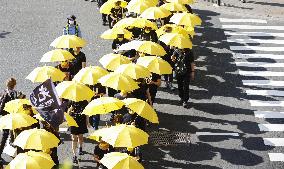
<point>123,135</point>
<point>133,70</point>
<point>31,160</point>
<point>16,106</point>
<point>106,7</point>
<point>147,47</point>
<point>135,22</point>
<point>90,75</point>
<point>96,135</point>
<point>103,105</point>
<point>41,74</point>
<point>112,33</point>
<point>142,108</point>
<point>138,6</point>
<point>155,64</point>
<point>70,120</point>
<point>74,91</point>
<point>176,29</point>
<point>152,2</point>
<point>155,13</point>
<point>176,40</point>
<point>68,41</point>
<point>119,81</point>
<point>174,7</point>
<point>36,139</point>
<point>186,19</point>
<point>117,160</point>
<point>113,61</point>
<point>182,1</point>
<point>16,120</point>
<point>57,55</point>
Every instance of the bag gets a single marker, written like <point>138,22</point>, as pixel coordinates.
<point>10,150</point>
<point>181,66</point>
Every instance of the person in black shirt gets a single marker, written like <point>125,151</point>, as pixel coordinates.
<point>184,68</point>
<point>65,68</point>
<point>135,31</point>
<point>143,91</point>
<point>75,111</point>
<point>118,42</point>
<point>153,83</point>
<point>115,15</point>
<point>100,150</point>
<point>148,35</point>
<point>78,63</point>
<point>104,16</point>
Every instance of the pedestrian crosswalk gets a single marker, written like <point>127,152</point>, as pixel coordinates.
<point>257,47</point>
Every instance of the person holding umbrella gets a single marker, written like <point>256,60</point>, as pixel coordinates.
<point>148,35</point>
<point>118,42</point>
<point>116,14</point>
<point>100,150</point>
<point>185,71</point>
<point>72,28</point>
<point>78,63</point>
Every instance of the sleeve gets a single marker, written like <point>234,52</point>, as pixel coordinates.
<point>64,31</point>
<point>113,46</point>
<point>79,32</point>
<point>191,56</point>
<point>83,57</point>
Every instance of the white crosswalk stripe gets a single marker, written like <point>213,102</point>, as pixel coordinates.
<point>251,40</point>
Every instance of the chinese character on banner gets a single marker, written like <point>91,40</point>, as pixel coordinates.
<point>44,98</point>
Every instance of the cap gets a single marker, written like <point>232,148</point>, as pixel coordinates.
<point>72,17</point>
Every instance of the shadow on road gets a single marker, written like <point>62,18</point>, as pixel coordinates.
<point>3,34</point>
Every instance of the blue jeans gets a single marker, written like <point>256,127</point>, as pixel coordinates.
<point>95,121</point>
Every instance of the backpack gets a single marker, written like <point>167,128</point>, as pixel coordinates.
<point>181,65</point>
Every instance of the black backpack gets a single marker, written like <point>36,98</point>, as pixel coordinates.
<point>181,65</point>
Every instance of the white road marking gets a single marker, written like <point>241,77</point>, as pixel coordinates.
<point>216,134</point>
<point>257,48</point>
<point>265,92</point>
<point>276,156</point>
<point>253,27</point>
<point>263,83</point>
<point>259,64</point>
<point>255,55</point>
<point>242,20</point>
<point>274,141</point>
<point>260,73</point>
<point>271,127</point>
<point>245,41</point>
<point>269,114</point>
<point>260,34</point>
<point>258,103</point>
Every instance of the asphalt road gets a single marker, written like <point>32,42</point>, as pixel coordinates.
<point>224,131</point>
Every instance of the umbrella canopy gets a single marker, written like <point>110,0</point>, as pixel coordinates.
<point>117,160</point>
<point>186,19</point>
<point>174,7</point>
<point>41,74</point>
<point>16,120</point>
<point>113,61</point>
<point>68,41</point>
<point>139,6</point>
<point>175,29</point>
<point>57,55</point>
<point>36,139</point>
<point>74,91</point>
<point>147,47</point>
<point>17,105</point>
<point>133,70</point>
<point>70,120</point>
<point>176,40</point>
<point>155,64</point>
<point>155,13</point>
<point>135,22</point>
<point>31,160</point>
<point>90,75</point>
<point>119,81</point>
<point>142,108</point>
<point>182,1</point>
<point>123,135</point>
<point>103,105</point>
<point>112,33</point>
<point>106,7</point>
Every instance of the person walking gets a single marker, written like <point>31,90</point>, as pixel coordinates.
<point>116,14</point>
<point>72,28</point>
<point>153,83</point>
<point>7,95</point>
<point>100,150</point>
<point>82,120</point>
<point>185,71</point>
<point>118,42</point>
<point>148,35</point>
